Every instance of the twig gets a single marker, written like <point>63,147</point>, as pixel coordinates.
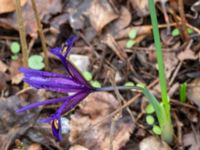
<point>41,34</point>
<point>183,20</point>
<point>22,33</point>
<point>179,19</point>
<point>163,5</point>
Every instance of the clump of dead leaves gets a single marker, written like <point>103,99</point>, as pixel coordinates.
<point>97,137</point>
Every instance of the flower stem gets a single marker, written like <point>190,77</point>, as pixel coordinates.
<point>110,88</point>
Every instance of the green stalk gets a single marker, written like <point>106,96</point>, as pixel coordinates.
<point>165,122</point>
<point>159,56</point>
<point>41,34</point>
<point>22,33</point>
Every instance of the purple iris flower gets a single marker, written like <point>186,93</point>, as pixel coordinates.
<point>73,81</point>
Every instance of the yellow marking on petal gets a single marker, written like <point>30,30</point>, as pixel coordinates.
<point>64,49</point>
<point>55,123</point>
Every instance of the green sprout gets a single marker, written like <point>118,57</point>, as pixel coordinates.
<point>36,62</point>
<point>96,84</point>
<point>150,119</point>
<point>129,83</point>
<point>157,130</point>
<point>182,92</point>
<point>15,49</point>
<point>189,30</point>
<point>132,35</point>
<point>176,31</point>
<point>162,109</point>
<point>149,109</point>
<point>130,43</point>
<point>87,75</point>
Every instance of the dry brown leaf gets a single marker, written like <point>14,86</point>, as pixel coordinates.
<point>187,54</point>
<point>193,92</point>
<point>13,125</point>
<point>78,147</point>
<point>141,7</point>
<point>93,109</point>
<point>100,13</point>
<point>170,63</point>
<point>3,66</point>
<point>153,143</point>
<point>193,140</point>
<point>9,5</point>
<point>3,79</point>
<point>44,7</point>
<point>17,78</point>
<point>34,147</point>
<point>122,22</point>
<point>15,75</point>
<point>110,41</point>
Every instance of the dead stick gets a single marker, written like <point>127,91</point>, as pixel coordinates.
<point>22,33</point>
<point>41,34</point>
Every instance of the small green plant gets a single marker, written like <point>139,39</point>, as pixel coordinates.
<point>157,130</point>
<point>182,92</point>
<point>176,31</point>
<point>149,109</point>
<point>129,83</point>
<point>36,62</point>
<point>132,35</point>
<point>96,84</point>
<point>162,109</point>
<point>15,49</point>
<point>150,120</point>
<point>87,75</point>
<point>130,43</point>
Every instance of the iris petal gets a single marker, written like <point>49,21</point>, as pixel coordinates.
<point>50,101</point>
<point>56,128</point>
<point>41,73</point>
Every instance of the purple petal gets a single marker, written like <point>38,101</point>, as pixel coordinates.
<point>57,51</point>
<point>50,101</point>
<point>33,72</point>
<point>71,69</point>
<point>70,102</point>
<point>70,41</point>
<point>54,84</point>
<point>75,102</point>
<point>57,129</point>
<point>76,74</point>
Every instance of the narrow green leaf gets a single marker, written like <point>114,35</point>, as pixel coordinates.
<point>182,92</point>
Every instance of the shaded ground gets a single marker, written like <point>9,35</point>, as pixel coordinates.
<point>113,56</point>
